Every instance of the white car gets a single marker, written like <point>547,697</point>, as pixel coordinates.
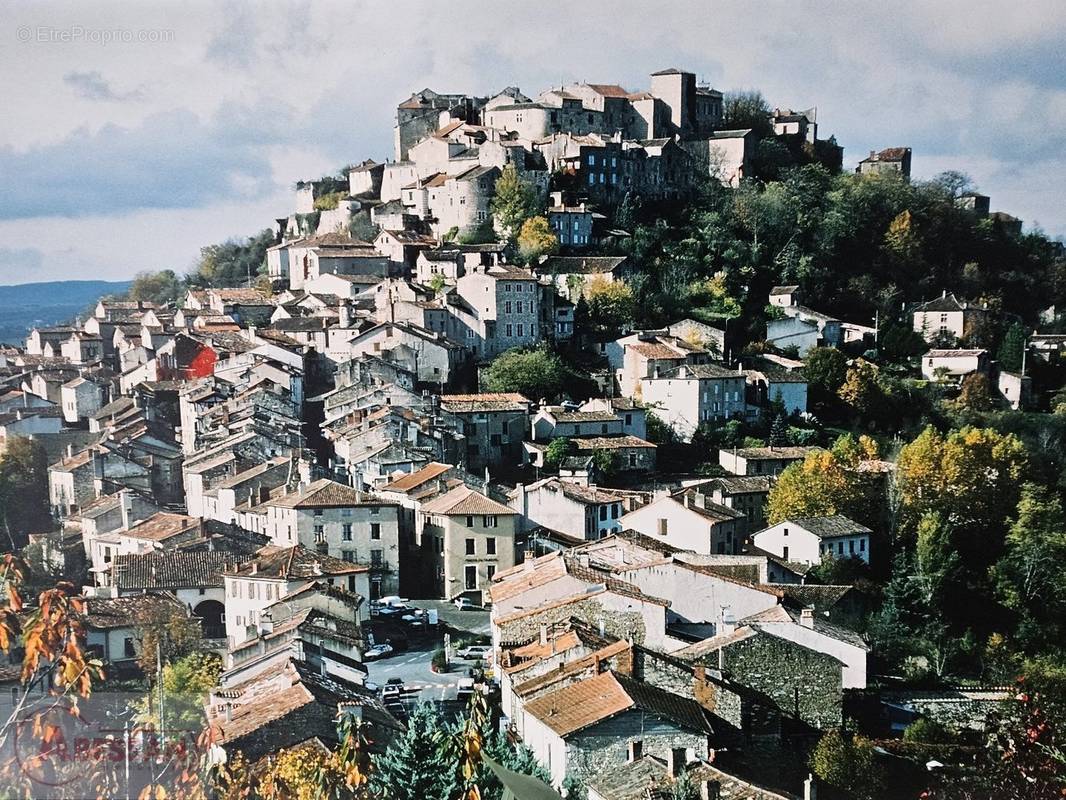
<point>466,604</point>
<point>377,651</point>
<point>474,651</point>
<point>465,688</point>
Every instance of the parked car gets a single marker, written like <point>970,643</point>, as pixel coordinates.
<point>475,651</point>
<point>377,651</point>
<point>466,604</point>
<point>391,692</point>
<point>465,689</point>
<point>397,709</point>
<point>397,682</point>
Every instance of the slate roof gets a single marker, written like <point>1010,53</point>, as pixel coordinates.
<point>742,484</point>
<point>161,526</point>
<point>649,778</point>
<point>325,493</point>
<point>487,401</point>
<point>779,290</point>
<point>124,612</point>
<point>774,453</point>
<point>580,265</point>
<point>172,570</point>
<point>955,354</point>
<point>295,563</point>
<point>829,527</point>
<point>947,302</point>
<point>610,443</point>
<point>464,500</point>
<point>584,416</point>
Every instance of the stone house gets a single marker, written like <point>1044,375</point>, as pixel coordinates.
<point>762,460</point>
<point>583,512</point>
<point>113,625</point>
<point>804,684</point>
<point>807,540</point>
<point>953,365</point>
<point>646,354</point>
<point>628,453</point>
<point>432,356</point>
<point>691,395</point>
<point>725,156</point>
<point>160,531</point>
<point>744,494</point>
<point>569,274</point>
<point>634,416</point>
<point>891,161</point>
<point>572,223</point>
<point>273,574</point>
<point>590,727</point>
<point>554,422</point>
<point>193,576</point>
<point>330,518</point>
<point>690,520</point>
<point>769,383</point>
<point>495,309</point>
<point>494,424</point>
<point>466,539</point>
<point>947,319</point>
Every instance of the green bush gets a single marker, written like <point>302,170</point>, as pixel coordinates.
<point>328,202</point>
<point>928,731</point>
<point>439,660</point>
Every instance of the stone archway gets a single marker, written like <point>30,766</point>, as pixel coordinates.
<point>212,618</point>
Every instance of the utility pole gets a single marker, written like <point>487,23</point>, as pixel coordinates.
<point>159,680</point>
<point>126,747</point>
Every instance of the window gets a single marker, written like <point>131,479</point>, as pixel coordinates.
<point>629,419</point>
<point>632,459</point>
<point>471,576</point>
<point>376,559</point>
<point>320,535</point>
<point>348,555</point>
<point>490,571</point>
<point>592,178</point>
<point>507,307</point>
<point>592,159</point>
<point>470,522</point>
<point>346,512</point>
<point>375,530</point>
<point>471,548</point>
<point>603,513</point>
<point>784,552</point>
<point>510,329</point>
<point>521,329</point>
<point>614,510</point>
<point>490,545</point>
<point>662,526</point>
<point>840,548</point>
<point>518,308</point>
<point>128,649</point>
<point>489,521</point>
<point>346,531</point>
<point>374,510</point>
<point>318,512</point>
<point>851,546</point>
<point>784,532</point>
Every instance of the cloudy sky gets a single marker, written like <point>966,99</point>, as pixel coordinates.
<point>135,132</point>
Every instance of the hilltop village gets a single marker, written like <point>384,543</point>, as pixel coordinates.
<point>567,411</point>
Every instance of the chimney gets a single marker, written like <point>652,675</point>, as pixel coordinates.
<point>255,567</point>
<point>229,712</point>
<point>807,617</point>
<point>635,751</point>
<point>583,560</point>
<point>810,788</point>
<point>345,314</point>
<point>729,622</point>
<point>543,634</point>
<point>70,451</point>
<point>126,503</point>
<point>678,761</point>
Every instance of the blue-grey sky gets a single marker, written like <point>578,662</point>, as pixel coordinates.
<point>136,132</point>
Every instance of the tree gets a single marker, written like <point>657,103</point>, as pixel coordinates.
<point>413,767</point>
<point>611,304</point>
<point>1030,577</point>
<point>606,463</point>
<point>746,109</point>
<point>976,392</point>
<point>1011,348</point>
<point>174,631</point>
<point>849,764</point>
<point>779,431</point>
<point>23,490</point>
<point>537,374</point>
<point>186,682</point>
<point>971,478</point>
<point>557,451</point>
<point>829,482</point>
<point>863,390</point>
<point>536,239</point>
<point>161,287</point>
<point>515,202</point>
<point>232,263</point>
<point>826,369</point>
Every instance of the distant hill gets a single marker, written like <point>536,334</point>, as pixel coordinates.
<point>26,305</point>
